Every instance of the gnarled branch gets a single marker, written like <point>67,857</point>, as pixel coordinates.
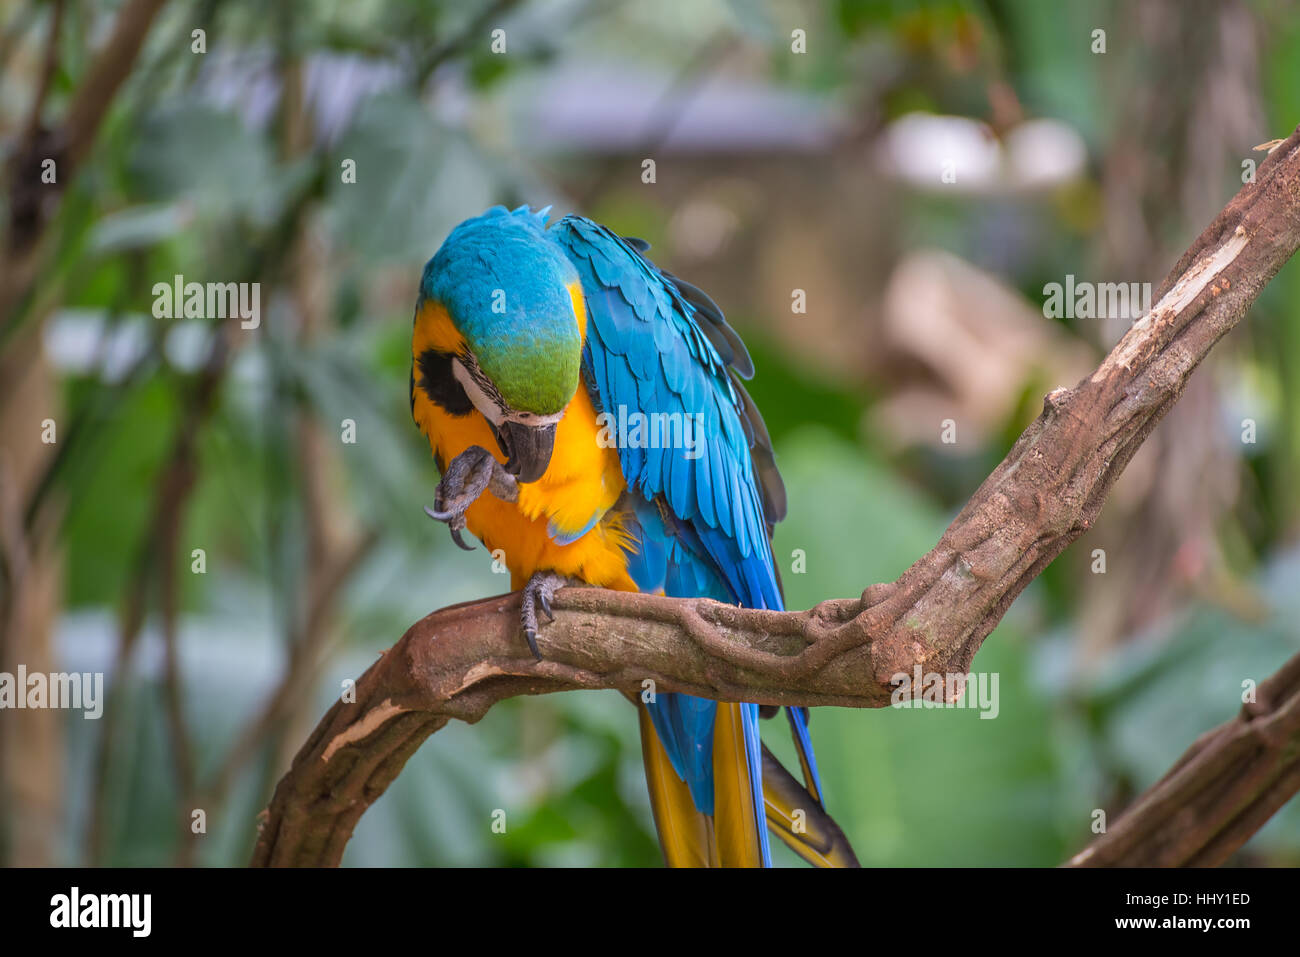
<point>458,662</point>
<point>1219,793</point>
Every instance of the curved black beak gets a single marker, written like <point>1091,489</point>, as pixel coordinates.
<point>527,448</point>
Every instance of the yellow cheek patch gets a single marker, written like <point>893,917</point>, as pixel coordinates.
<point>435,330</point>
<point>582,480</point>
<point>579,307</point>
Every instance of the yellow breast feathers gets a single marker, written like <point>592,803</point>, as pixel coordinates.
<point>581,484</point>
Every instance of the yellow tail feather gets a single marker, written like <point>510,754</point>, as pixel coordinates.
<point>800,821</point>
<point>728,837</point>
<point>733,796</point>
<point>685,834</point>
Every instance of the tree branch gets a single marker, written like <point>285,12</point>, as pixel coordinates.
<point>1219,793</point>
<point>30,208</point>
<point>458,662</point>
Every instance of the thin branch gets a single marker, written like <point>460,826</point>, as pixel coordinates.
<point>29,206</point>
<point>12,34</point>
<point>474,32</point>
<point>159,552</point>
<point>49,65</point>
<point>1049,489</point>
<point>1219,793</point>
<point>109,71</point>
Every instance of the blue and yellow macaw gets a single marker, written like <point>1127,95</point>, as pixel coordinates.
<point>533,347</point>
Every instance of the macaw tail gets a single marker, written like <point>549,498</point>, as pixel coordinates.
<point>706,799</point>
<point>802,824</point>
<point>709,816</point>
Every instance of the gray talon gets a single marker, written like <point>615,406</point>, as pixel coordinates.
<point>466,478</point>
<point>539,591</point>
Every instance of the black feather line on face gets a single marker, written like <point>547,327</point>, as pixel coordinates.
<point>486,385</point>
<point>437,382</point>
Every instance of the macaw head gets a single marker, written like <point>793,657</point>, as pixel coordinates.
<point>515,304</point>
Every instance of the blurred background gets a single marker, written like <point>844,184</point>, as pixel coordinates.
<point>879,195</point>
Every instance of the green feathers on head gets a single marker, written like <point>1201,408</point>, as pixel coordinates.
<point>541,379</point>
<point>505,283</point>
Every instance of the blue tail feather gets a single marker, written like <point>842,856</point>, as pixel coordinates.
<point>799,724</point>
<point>684,724</point>
<point>754,752</point>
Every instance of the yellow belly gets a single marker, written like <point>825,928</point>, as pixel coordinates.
<point>582,480</point>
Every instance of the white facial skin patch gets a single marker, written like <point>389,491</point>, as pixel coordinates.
<point>492,408</point>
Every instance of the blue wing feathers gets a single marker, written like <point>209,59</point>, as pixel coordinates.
<point>568,538</point>
<point>703,497</point>
<point>741,504</point>
<point>658,345</point>
<point>683,489</point>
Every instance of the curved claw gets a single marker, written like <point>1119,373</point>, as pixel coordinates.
<point>454,522</point>
<point>537,594</point>
<point>531,637</point>
<point>463,481</point>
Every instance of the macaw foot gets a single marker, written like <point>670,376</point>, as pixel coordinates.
<point>541,588</point>
<point>467,477</point>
